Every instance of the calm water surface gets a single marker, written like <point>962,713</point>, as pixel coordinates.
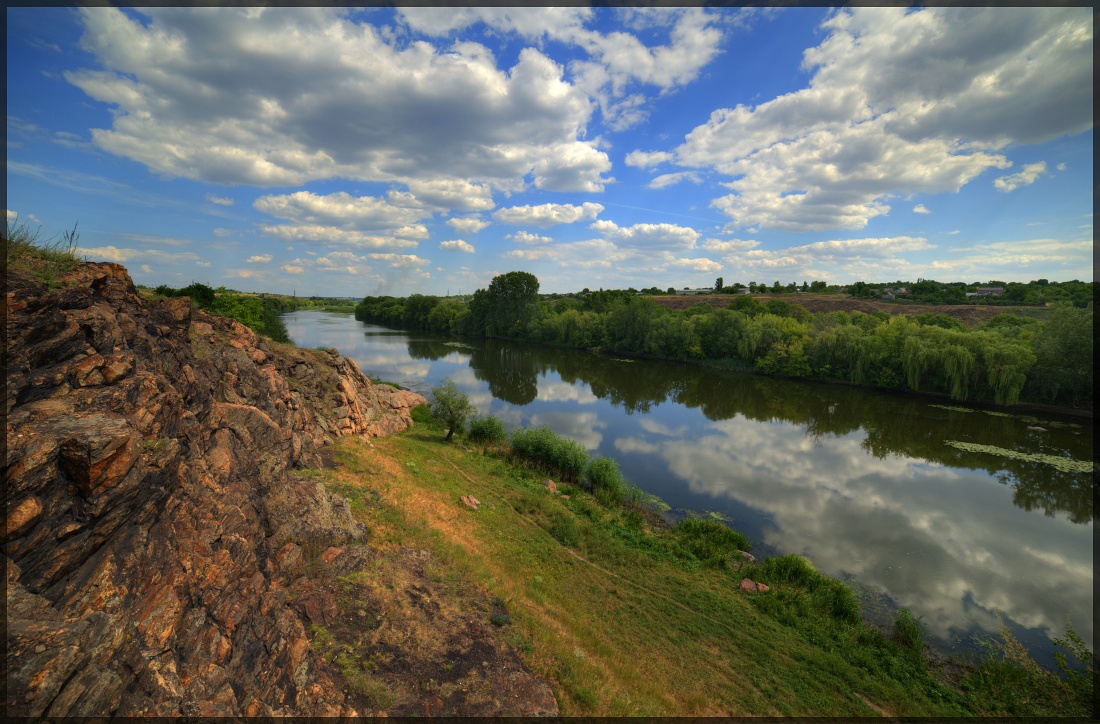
<point>861,482</point>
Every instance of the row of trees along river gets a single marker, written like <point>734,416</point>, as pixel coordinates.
<point>1008,359</point>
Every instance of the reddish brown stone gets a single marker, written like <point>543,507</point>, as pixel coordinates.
<point>332,553</point>
<point>22,516</point>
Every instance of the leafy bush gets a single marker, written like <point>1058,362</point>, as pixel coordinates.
<point>603,478</point>
<point>422,415</point>
<point>934,319</point>
<point>487,430</point>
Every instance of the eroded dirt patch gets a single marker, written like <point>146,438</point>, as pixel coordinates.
<point>410,639</point>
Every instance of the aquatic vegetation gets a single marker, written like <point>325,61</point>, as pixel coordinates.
<point>1066,465</point>
<point>953,408</point>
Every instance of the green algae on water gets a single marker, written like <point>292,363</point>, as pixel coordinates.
<point>953,408</point>
<point>1066,465</point>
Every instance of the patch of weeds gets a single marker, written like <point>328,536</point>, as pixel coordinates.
<point>499,618</point>
<point>1008,681</point>
<point>44,259</point>
<point>586,698</point>
<point>322,639</point>
<point>521,644</point>
<point>563,527</point>
<point>154,445</point>
<point>378,381</point>
<point>584,509</point>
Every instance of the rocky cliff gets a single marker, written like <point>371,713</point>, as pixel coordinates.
<point>151,505</point>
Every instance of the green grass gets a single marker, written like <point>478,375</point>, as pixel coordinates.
<point>44,259</point>
<point>626,616</point>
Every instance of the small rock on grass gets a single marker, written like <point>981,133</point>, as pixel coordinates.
<point>471,501</point>
<point>750,586</point>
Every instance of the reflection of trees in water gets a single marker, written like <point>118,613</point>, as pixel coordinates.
<point>431,349</point>
<point>512,371</point>
<point>895,424</point>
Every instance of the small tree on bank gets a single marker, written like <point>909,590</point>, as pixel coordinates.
<point>451,406</point>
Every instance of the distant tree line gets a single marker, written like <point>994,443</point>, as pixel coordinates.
<point>1035,293</point>
<point>1007,359</point>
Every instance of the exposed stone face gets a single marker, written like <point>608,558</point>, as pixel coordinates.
<point>153,522</point>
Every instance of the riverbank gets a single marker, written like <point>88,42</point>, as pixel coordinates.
<point>605,606</point>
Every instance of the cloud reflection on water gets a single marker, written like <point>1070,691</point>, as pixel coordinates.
<point>943,541</point>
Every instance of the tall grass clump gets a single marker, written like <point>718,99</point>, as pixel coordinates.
<point>822,594</point>
<point>45,259</point>
<point>1007,681</point>
<point>487,430</point>
<point>908,631</point>
<point>710,541</point>
<point>558,455</point>
<point>603,478</point>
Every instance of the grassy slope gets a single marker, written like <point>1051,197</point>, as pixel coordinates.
<point>616,631</point>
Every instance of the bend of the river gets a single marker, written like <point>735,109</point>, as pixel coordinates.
<point>872,487</point>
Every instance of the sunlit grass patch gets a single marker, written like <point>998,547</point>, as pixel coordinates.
<point>659,632</point>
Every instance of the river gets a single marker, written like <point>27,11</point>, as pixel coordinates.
<point>862,482</point>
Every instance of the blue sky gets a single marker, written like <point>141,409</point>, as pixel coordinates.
<point>379,151</point>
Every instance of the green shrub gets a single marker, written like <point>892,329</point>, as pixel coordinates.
<point>422,415</point>
<point>603,478</point>
<point>559,455</point>
<point>710,541</point>
<point>487,430</point>
<point>570,457</point>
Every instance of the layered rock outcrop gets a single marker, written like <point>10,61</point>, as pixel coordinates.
<point>151,503</point>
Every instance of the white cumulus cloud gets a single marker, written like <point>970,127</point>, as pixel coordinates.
<point>467,224</point>
<point>526,237</point>
<point>548,214</point>
<point>201,93</point>
<point>648,236</point>
<point>1028,175</point>
<point>456,245</point>
<point>900,101</point>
